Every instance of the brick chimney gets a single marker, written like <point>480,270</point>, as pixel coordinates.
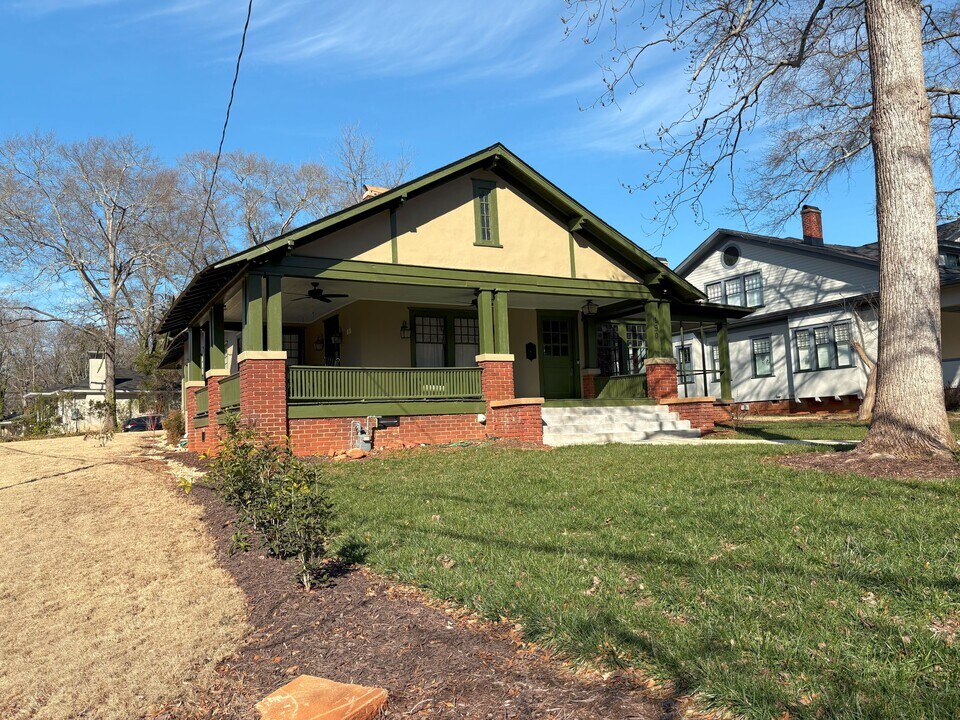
<point>812,223</point>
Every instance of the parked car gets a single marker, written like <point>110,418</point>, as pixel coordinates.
<point>142,423</point>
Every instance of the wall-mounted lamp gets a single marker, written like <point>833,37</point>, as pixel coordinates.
<point>404,331</point>
<point>590,309</point>
<point>336,337</point>
<point>318,343</point>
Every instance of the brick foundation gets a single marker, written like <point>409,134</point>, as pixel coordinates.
<point>702,413</point>
<point>320,436</point>
<point>661,378</point>
<point>518,419</point>
<point>847,403</point>
<point>263,396</point>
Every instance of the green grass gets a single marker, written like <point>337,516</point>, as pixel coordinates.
<point>763,589</point>
<point>820,429</point>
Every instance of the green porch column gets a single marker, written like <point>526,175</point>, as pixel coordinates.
<point>253,313</point>
<point>723,350</point>
<point>485,316</point>
<point>501,323</point>
<point>666,329</point>
<point>217,340</point>
<point>274,313</point>
<point>653,336</point>
<point>194,355</point>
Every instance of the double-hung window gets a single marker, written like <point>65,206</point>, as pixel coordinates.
<point>715,292</point>
<point>733,289</point>
<point>685,364</point>
<point>824,347</point>
<point>714,355</point>
<point>753,284</point>
<point>762,356</point>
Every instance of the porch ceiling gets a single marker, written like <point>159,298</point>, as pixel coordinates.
<point>299,309</point>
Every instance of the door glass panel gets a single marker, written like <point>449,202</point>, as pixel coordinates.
<point>556,338</point>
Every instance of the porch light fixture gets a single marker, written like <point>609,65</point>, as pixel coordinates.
<point>318,343</point>
<point>589,309</point>
<point>404,330</point>
<point>336,337</point>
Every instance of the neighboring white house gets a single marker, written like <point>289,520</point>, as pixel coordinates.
<point>795,352</point>
<point>77,404</point>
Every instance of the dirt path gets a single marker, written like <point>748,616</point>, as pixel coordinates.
<point>111,600</point>
<point>434,663</point>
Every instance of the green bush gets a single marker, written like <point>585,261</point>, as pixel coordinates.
<point>280,499</point>
<point>174,426</point>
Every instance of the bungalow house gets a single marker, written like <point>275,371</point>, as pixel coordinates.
<point>79,407</point>
<point>811,301</point>
<point>478,300</point>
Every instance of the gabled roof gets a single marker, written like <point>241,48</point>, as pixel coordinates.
<point>496,158</point>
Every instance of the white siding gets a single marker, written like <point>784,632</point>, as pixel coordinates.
<point>790,279</point>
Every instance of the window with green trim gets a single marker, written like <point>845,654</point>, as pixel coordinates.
<point>485,213</point>
<point>762,357</point>
<point>445,338</point>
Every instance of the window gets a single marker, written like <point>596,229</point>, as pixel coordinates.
<point>466,341</point>
<point>608,349</point>
<point>714,355</point>
<point>762,357</point>
<point>636,347</point>
<point>430,340</point>
<point>621,348</point>
<point>685,364</point>
<point>950,260</point>
<point>731,255</point>
<point>824,347</point>
<point>753,283</point>
<point>556,338</point>
<point>485,213</point>
<point>715,292</point>
<point>733,289</point>
<point>292,343</point>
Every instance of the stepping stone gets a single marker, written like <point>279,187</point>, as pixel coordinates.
<point>314,698</point>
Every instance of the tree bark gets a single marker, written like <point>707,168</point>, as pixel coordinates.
<point>865,414</point>
<point>910,416</point>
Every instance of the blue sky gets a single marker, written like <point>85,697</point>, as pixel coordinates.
<point>441,79</point>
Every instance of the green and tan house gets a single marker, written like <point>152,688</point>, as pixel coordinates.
<point>476,301</point>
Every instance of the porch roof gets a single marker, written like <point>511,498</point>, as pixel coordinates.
<point>212,279</point>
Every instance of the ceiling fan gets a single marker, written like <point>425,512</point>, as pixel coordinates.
<point>315,293</point>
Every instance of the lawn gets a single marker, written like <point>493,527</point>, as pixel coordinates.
<point>762,589</point>
<point>825,428</point>
<point>112,604</point>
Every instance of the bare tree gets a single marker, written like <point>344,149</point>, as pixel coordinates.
<point>72,222</point>
<point>829,83</point>
<point>359,164</point>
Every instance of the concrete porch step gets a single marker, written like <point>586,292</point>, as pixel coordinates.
<point>559,440</point>
<point>614,427</point>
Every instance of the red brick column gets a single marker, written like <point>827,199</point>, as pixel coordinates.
<point>661,378</point>
<point>213,402</point>
<point>263,393</point>
<point>517,418</point>
<point>189,417</point>
<point>701,412</point>
<point>496,378</point>
<point>589,384</point>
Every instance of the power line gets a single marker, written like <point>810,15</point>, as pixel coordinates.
<point>223,133</point>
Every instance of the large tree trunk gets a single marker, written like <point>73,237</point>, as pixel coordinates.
<point>910,416</point>
<point>865,414</point>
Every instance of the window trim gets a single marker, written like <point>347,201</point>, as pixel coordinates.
<point>488,188</point>
<point>723,260</point>
<point>742,280</point>
<point>449,337</point>
<point>811,329</point>
<point>753,356</point>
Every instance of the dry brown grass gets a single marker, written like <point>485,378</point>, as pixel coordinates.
<point>111,601</point>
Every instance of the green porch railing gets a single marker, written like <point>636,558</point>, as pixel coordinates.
<point>230,392</point>
<point>203,402</point>
<point>353,384</point>
<point>621,386</point>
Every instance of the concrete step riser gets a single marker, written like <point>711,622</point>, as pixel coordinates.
<point>603,438</point>
<point>617,427</point>
<point>608,419</point>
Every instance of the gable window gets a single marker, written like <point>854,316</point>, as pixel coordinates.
<point>485,213</point>
<point>733,290</point>
<point>753,283</point>
<point>730,256</point>
<point>762,357</point>
<point>715,292</point>
<point>824,347</point>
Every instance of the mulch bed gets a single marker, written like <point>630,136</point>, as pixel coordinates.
<point>434,661</point>
<point>873,465</point>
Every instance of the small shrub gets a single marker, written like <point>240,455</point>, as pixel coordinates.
<point>951,396</point>
<point>280,498</point>
<point>174,426</point>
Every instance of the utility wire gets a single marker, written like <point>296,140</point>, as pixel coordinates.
<point>223,133</point>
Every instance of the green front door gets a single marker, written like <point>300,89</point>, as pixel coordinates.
<point>558,355</point>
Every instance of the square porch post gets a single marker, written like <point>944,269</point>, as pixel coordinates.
<point>192,385</point>
<point>495,360</point>
<point>723,350</point>
<point>591,363</point>
<point>661,366</point>
<point>263,373</point>
<point>501,326</point>
<point>217,372</point>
